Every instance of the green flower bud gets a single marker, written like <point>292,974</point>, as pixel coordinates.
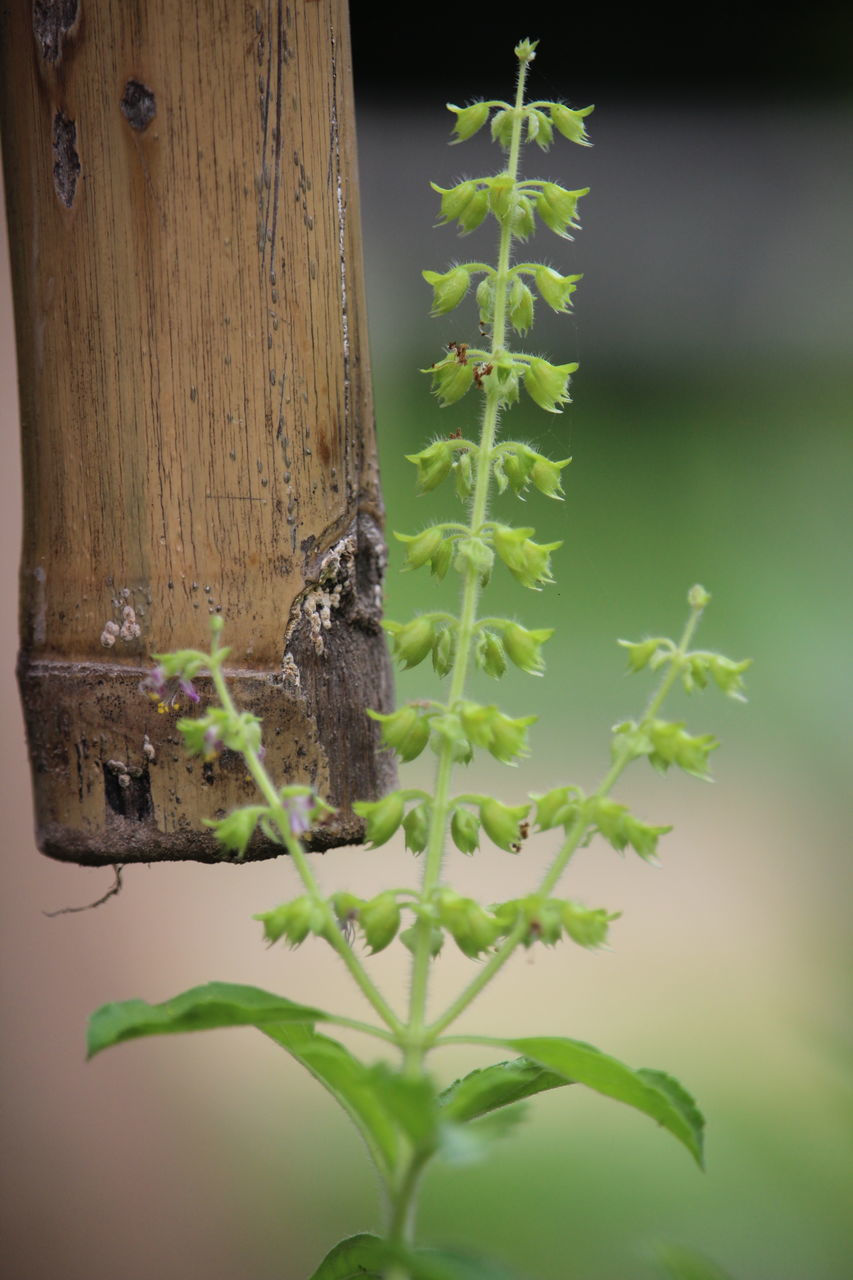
<point>440,562</point>
<point>464,475</point>
<point>629,741</point>
<point>382,817</point>
<point>641,652</point>
<point>507,914</point>
<point>443,650</point>
<point>698,597</point>
<point>671,744</point>
<point>488,727</point>
<point>509,737</point>
<point>548,384</point>
<point>517,466</point>
<point>502,127</point>
<point>405,730</point>
<point>502,823</point>
<point>499,474</point>
<point>293,921</point>
<point>409,939</point>
<point>473,555</point>
<point>465,829</point>
<point>523,222</point>
<point>557,808</point>
<point>546,924</point>
<point>477,722</point>
<point>346,907</point>
<point>416,826</point>
<point>558,208</point>
<point>486,298</point>
<point>466,204</point>
<point>236,829</point>
<point>554,289</point>
<point>454,200</point>
<point>475,211</point>
<point>539,129</point>
<point>472,929</point>
<point>621,829</point>
<point>501,193</point>
<point>525,50</point>
<point>727,675</point>
<point>489,654</point>
<point>421,547</point>
<point>380,919</point>
<point>642,838</point>
<point>468,120</point>
<point>542,917</point>
<point>450,380</point>
<point>448,728</point>
<point>433,464</point>
<point>545,474</point>
<point>507,372</point>
<point>529,562</point>
<point>448,289</point>
<point>571,123</point>
<point>524,647</point>
<point>413,640</point>
<point>520,306</point>
<point>695,672</point>
<point>585,925</point>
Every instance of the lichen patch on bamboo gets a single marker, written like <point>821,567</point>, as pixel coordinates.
<point>53,20</point>
<point>138,105</point>
<point>66,167</point>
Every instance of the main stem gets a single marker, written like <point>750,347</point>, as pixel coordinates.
<point>415,1049</point>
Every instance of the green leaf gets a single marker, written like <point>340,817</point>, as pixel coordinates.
<point>440,1264</point>
<point>350,1083</point>
<point>216,1004</point>
<point>361,1257</point>
<point>652,1092</point>
<point>501,1085</point>
<point>367,1257</point>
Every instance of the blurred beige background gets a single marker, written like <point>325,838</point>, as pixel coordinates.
<point>210,1155</point>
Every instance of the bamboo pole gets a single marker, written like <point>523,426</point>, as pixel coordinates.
<point>196,417</point>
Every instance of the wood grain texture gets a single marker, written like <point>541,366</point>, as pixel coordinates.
<point>197,425</point>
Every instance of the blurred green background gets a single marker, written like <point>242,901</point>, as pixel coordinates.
<point>711,437</point>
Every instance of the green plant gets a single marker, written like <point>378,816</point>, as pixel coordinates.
<point>403,1117</point>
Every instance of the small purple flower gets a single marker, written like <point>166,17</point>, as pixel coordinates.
<point>299,810</point>
<point>155,684</point>
<point>188,690</point>
<point>167,692</point>
<point>212,741</point>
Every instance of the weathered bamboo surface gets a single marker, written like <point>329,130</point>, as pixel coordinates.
<point>197,425</point>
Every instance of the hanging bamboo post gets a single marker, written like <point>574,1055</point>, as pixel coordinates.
<point>196,418</point>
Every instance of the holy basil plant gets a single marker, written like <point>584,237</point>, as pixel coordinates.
<point>405,1119</point>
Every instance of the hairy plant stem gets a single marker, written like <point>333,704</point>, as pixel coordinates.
<point>574,837</point>
<point>415,1045</point>
<point>332,934</point>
